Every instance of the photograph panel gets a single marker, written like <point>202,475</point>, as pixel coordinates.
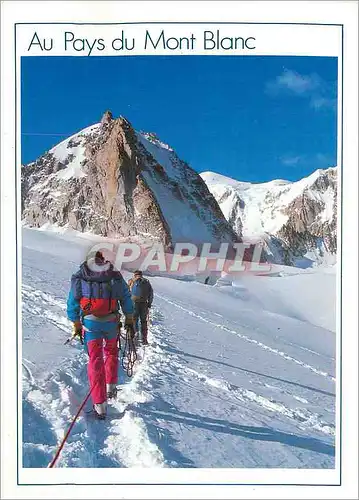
<point>179,261</point>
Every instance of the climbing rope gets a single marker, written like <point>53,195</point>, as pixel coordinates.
<point>129,358</point>
<point>64,439</point>
<point>129,355</point>
<point>62,444</point>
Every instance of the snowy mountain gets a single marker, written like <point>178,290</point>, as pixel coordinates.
<point>296,220</point>
<point>110,180</point>
<point>240,375</point>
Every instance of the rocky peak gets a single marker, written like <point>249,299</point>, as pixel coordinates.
<point>106,117</point>
<point>110,180</point>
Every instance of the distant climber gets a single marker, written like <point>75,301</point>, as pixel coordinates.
<point>93,307</point>
<point>142,297</point>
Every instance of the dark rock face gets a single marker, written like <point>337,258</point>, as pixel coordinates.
<point>112,181</point>
<point>307,228</point>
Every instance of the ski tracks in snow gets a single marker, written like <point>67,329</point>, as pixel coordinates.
<point>45,307</point>
<point>249,339</point>
<point>301,417</point>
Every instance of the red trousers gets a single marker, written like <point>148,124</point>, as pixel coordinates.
<point>102,366</point>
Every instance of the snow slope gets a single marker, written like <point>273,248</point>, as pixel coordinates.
<point>187,215</point>
<point>306,296</point>
<point>232,378</point>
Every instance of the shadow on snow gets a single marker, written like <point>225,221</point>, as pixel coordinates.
<point>246,431</point>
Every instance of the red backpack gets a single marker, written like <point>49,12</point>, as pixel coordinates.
<point>97,298</point>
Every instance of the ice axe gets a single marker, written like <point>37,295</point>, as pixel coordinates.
<point>77,335</point>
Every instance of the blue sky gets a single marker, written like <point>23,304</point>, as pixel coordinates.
<point>248,117</point>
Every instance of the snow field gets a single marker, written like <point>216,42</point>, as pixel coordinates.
<point>225,381</point>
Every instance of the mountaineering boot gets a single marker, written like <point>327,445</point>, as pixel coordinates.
<point>100,410</point>
<point>111,391</point>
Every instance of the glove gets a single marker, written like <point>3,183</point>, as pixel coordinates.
<point>149,306</point>
<point>77,331</point>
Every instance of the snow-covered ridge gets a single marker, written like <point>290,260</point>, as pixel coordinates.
<point>212,178</point>
<point>264,203</point>
<point>266,209</point>
<point>162,153</point>
<point>152,137</point>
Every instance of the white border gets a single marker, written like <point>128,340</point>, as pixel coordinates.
<point>326,38</point>
<point>329,12</point>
